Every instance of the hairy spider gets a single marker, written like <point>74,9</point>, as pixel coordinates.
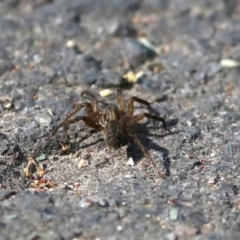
<point>115,122</point>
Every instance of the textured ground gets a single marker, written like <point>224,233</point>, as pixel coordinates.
<point>52,50</point>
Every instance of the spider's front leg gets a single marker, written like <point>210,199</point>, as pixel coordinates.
<point>89,119</point>
<point>94,102</point>
<point>121,105</point>
<point>67,122</point>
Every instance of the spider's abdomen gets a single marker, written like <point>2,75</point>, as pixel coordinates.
<point>113,134</point>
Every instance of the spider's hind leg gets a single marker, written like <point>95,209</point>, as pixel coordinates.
<point>145,152</point>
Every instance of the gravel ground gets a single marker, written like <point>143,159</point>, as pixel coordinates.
<point>183,57</point>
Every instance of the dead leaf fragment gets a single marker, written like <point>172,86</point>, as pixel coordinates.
<point>34,167</point>
<point>31,167</point>
<point>131,77</point>
<point>42,184</point>
<point>40,170</point>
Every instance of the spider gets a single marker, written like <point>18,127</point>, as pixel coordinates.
<point>116,123</point>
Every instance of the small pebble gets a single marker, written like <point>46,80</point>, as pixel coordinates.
<point>82,163</point>
<point>185,231</point>
<point>103,203</point>
<point>11,216</point>
<point>144,41</point>
<point>139,74</point>
<point>212,180</point>
<point>106,92</point>
<point>85,203</point>
<point>119,228</point>
<point>130,162</point>
<point>8,104</point>
<point>70,44</point>
<point>173,214</point>
<point>43,119</point>
<point>89,201</point>
<point>37,58</point>
<point>207,228</point>
<point>229,63</point>
<point>41,158</point>
<point>213,154</point>
<point>76,184</point>
<point>128,176</point>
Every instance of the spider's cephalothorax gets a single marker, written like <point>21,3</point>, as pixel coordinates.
<point>115,122</point>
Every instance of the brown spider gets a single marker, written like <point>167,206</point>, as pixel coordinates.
<point>115,122</point>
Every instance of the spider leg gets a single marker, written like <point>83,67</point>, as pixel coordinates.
<point>111,113</point>
<point>140,116</point>
<point>131,105</point>
<point>94,100</point>
<point>67,122</point>
<point>121,105</point>
<point>78,107</point>
<point>67,119</point>
<point>145,152</point>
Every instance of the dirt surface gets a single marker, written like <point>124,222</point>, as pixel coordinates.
<point>183,57</point>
